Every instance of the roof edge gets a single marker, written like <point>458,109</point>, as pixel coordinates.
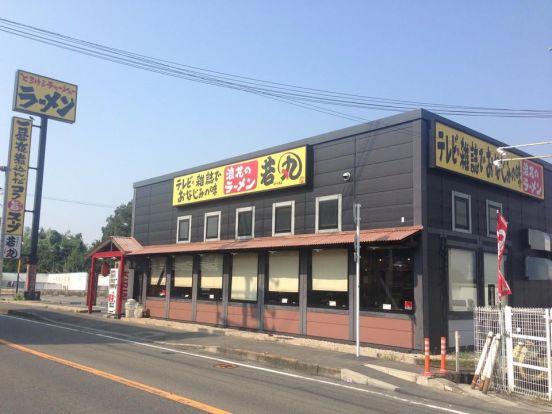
<point>316,139</point>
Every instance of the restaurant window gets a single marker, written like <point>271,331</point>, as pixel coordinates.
<point>157,281</point>
<point>462,282</point>
<point>387,279</point>
<point>283,278</point>
<point>490,278</point>
<point>245,222</point>
<point>243,283</point>
<point>184,225</point>
<point>212,226</point>
<point>328,213</point>
<point>328,284</point>
<point>461,212</point>
<point>210,276</point>
<point>181,284</point>
<point>492,216</point>
<point>283,218</point>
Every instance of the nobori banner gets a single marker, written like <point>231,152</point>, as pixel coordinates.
<point>270,172</point>
<point>18,168</point>
<point>38,95</point>
<point>464,154</point>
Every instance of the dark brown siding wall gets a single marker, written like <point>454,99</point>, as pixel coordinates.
<point>380,163</point>
<point>522,212</point>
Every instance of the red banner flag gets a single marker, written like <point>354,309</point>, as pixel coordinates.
<point>501,229</point>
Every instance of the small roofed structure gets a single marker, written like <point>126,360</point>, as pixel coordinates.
<point>116,248</point>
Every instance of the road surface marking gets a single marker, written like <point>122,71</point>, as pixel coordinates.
<point>253,367</point>
<point>125,381</point>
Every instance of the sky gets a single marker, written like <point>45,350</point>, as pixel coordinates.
<point>132,125</point>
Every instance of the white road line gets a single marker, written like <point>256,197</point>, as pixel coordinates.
<point>253,367</point>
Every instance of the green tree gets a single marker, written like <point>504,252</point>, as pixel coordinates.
<point>57,252</point>
<point>118,224</point>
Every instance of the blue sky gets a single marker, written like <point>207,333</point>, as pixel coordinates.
<point>132,125</point>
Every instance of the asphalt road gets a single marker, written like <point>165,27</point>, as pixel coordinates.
<point>50,368</point>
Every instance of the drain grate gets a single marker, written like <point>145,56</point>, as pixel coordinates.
<point>225,366</point>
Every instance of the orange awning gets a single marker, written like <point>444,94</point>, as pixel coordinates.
<point>372,236</point>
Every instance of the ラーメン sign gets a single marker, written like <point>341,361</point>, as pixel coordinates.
<point>270,172</point>
<point>18,168</point>
<point>467,155</point>
<point>42,96</point>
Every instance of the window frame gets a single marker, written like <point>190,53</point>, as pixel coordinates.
<point>207,215</point>
<point>476,277</point>
<point>245,210</point>
<point>231,280</point>
<point>157,290</point>
<point>283,204</point>
<point>217,293</point>
<point>337,197</point>
<point>465,197</point>
<point>391,252</point>
<point>274,297</point>
<point>183,290</point>
<point>498,206</point>
<point>316,298</point>
<point>178,221</point>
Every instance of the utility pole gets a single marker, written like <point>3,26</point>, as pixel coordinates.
<point>356,216</point>
<point>4,169</point>
<point>33,255</point>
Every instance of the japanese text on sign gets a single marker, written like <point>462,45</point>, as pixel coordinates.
<point>18,167</point>
<point>270,172</point>
<point>38,95</point>
<point>462,153</point>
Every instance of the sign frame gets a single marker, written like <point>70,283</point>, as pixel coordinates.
<point>491,145</point>
<point>18,108</point>
<point>10,175</point>
<point>307,174</point>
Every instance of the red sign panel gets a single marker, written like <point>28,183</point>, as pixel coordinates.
<point>241,177</point>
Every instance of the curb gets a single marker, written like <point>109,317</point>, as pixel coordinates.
<point>277,361</point>
<point>433,382</point>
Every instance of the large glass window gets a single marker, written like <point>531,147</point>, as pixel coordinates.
<point>157,281</point>
<point>184,225</point>
<point>328,213</point>
<point>210,276</point>
<point>461,212</point>
<point>212,226</point>
<point>245,223</point>
<point>492,216</point>
<point>462,284</point>
<point>328,286</point>
<point>243,283</point>
<point>490,278</point>
<point>283,278</point>
<point>181,284</point>
<point>283,218</point>
<point>387,279</point>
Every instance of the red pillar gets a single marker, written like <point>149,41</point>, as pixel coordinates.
<point>119,306</point>
<point>91,284</point>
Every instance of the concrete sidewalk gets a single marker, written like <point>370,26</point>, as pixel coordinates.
<point>385,369</point>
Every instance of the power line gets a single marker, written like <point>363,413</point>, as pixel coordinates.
<point>65,200</point>
<point>291,94</point>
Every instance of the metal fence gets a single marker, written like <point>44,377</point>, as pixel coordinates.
<point>524,365</point>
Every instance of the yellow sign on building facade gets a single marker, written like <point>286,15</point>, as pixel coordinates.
<point>18,168</point>
<point>464,154</point>
<point>270,172</point>
<point>38,95</point>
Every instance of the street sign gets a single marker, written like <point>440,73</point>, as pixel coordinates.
<point>42,96</point>
<point>16,187</point>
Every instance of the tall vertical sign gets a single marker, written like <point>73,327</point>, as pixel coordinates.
<point>501,230</point>
<point>16,189</point>
<point>49,99</point>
